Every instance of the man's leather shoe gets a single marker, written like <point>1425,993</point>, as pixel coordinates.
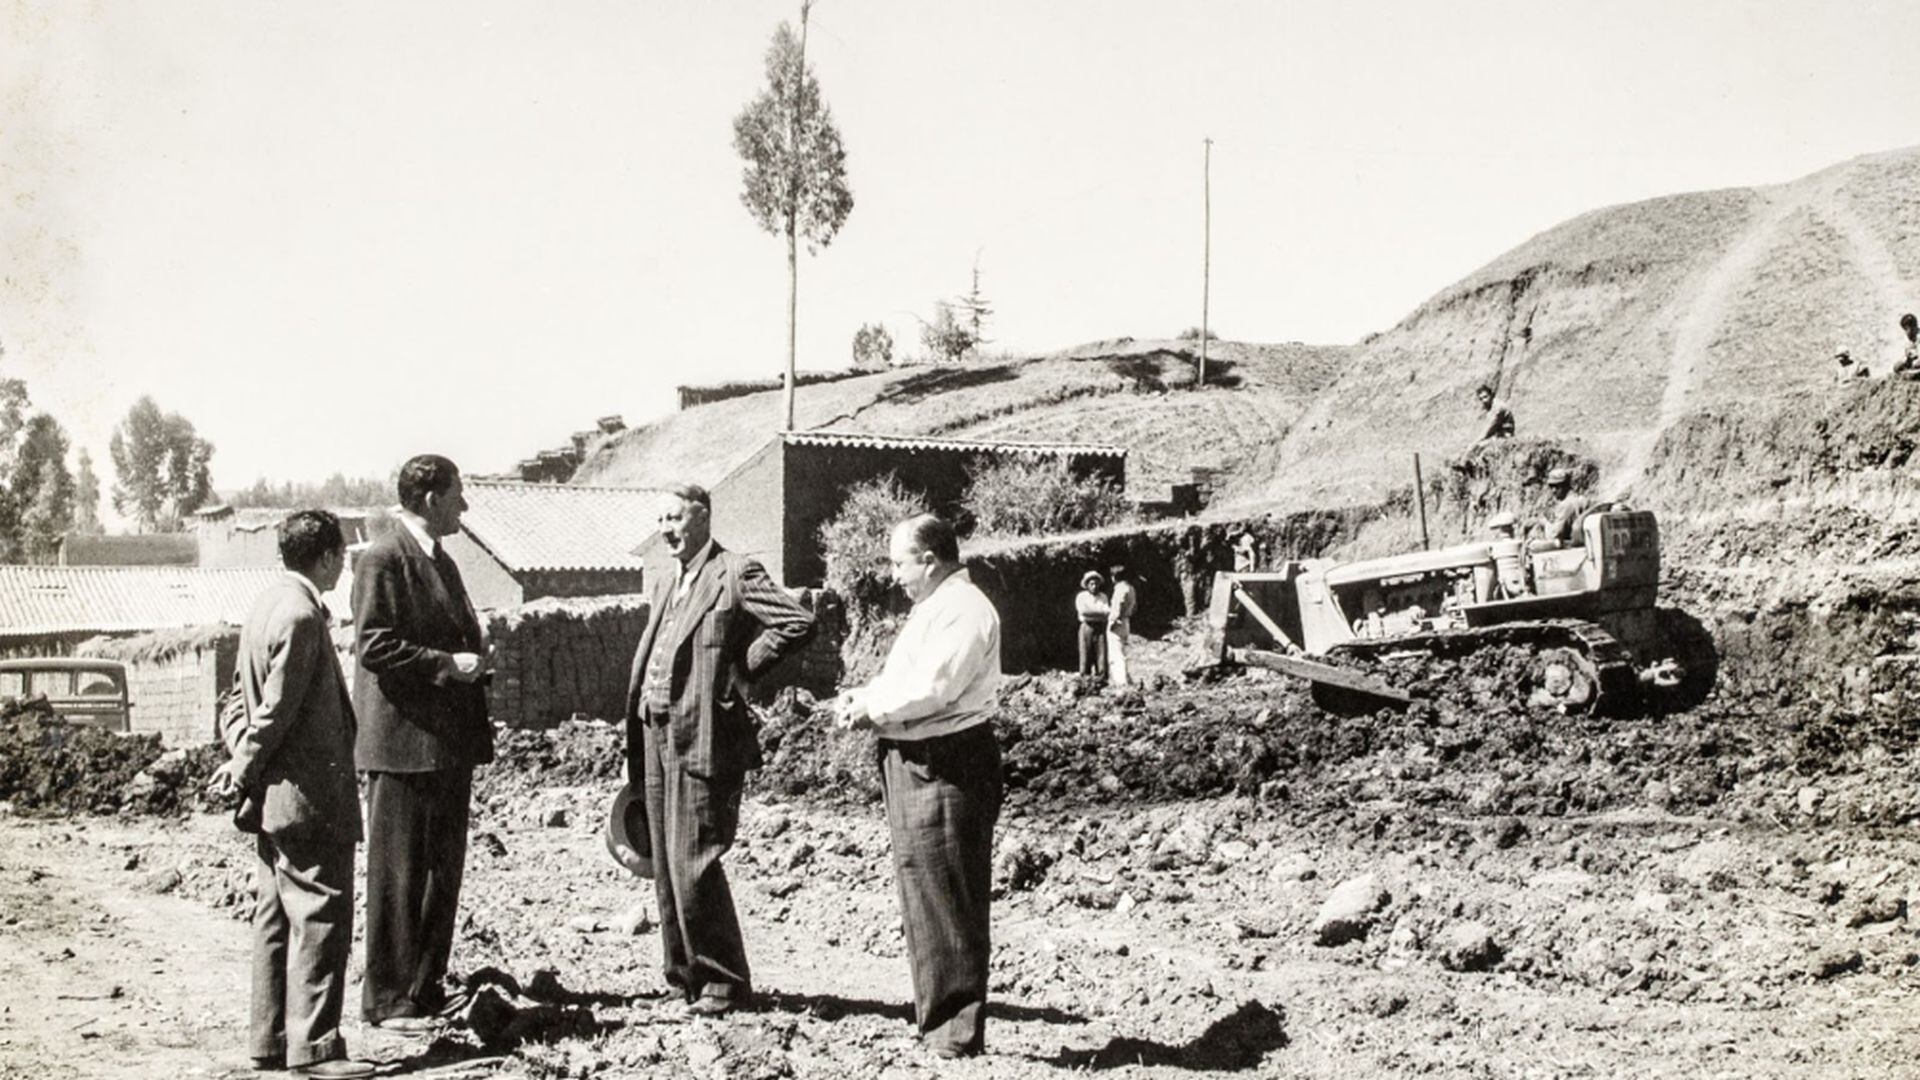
<point>408,1025</point>
<point>337,1069</point>
<point>709,1005</point>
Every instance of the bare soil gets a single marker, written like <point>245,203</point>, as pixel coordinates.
<point>1723,892</point>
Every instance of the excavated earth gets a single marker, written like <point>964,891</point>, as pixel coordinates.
<point>1198,875</point>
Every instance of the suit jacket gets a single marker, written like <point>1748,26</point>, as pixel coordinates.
<point>407,621</point>
<point>733,625</point>
<point>295,748</point>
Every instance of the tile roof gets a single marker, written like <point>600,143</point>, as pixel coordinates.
<point>916,442</point>
<point>122,599</point>
<point>562,526</point>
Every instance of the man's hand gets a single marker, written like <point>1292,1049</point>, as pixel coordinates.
<point>465,667</point>
<point>850,712</point>
<point>225,781</point>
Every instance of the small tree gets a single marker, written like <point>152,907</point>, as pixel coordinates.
<point>41,491</point>
<point>976,308</point>
<point>854,542</point>
<point>795,180</point>
<point>1039,497</point>
<point>162,467</point>
<point>1192,333</point>
<point>86,496</point>
<point>872,348</point>
<point>946,337</point>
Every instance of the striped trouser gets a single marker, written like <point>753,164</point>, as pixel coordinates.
<point>943,797</point>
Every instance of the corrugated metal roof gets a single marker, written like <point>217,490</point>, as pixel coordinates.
<point>916,442</point>
<point>562,526</point>
<point>124,599</point>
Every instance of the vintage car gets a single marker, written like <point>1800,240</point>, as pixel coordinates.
<point>81,690</point>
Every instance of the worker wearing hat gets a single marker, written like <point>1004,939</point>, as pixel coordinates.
<point>1092,608</point>
<point>1561,526</point>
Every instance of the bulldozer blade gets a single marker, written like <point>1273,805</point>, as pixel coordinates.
<point>1322,674</point>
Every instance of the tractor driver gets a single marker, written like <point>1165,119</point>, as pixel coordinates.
<point>1561,526</point>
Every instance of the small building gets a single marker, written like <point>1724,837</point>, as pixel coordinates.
<point>145,549</point>
<point>230,537</point>
<point>773,504</point>
<point>526,541</point>
<point>47,610</point>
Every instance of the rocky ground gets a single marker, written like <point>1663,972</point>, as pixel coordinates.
<point>1202,876</point>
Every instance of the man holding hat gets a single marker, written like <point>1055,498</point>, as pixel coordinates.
<point>715,623</point>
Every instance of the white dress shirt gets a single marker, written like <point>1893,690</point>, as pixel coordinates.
<point>944,669</point>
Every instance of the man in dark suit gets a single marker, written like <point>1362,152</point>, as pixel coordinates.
<point>716,622</point>
<point>292,758</point>
<point>423,727</point>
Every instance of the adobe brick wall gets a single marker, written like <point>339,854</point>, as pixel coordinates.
<point>556,657</point>
<point>175,693</point>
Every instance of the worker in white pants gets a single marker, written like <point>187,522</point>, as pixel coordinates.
<point>1119,621</point>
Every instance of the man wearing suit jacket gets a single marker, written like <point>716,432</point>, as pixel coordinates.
<point>715,624</point>
<point>423,727</point>
<point>292,756</point>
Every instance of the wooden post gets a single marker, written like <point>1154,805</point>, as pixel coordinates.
<point>1206,255</point>
<point>1420,495</point>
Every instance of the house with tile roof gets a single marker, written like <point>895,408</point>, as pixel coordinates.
<point>47,610</point>
<point>524,541</point>
<point>773,504</point>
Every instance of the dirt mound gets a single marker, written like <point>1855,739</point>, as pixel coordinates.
<point>50,766</point>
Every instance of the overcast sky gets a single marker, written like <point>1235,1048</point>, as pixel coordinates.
<point>333,235</point>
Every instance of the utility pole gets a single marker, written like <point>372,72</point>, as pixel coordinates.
<point>1206,256</point>
<point>793,211</point>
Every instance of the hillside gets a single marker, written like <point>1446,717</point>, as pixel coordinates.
<point>1614,326</point>
<point>1133,393</point>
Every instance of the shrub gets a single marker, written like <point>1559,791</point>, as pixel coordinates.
<point>1192,333</point>
<point>854,542</point>
<point>1037,497</point>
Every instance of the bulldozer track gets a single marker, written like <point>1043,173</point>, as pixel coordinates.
<point>1613,672</point>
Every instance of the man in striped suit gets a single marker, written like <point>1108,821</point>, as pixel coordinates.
<point>940,776</point>
<point>715,624</point>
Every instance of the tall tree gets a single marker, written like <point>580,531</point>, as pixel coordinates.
<point>86,496</point>
<point>795,180</point>
<point>41,492</point>
<point>161,467</point>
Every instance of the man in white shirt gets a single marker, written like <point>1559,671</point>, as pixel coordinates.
<point>931,707</point>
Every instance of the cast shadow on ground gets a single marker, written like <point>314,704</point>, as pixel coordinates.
<point>834,1007</point>
<point>1239,1040</point>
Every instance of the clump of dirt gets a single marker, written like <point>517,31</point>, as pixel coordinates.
<point>48,765</point>
<point>572,753</point>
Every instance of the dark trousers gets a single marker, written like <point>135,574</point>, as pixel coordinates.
<point>416,855</point>
<point>943,797</point>
<point>692,822</point>
<point>302,933</point>
<point>1093,649</point>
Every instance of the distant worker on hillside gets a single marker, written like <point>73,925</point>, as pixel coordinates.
<point>1119,624</point>
<point>1092,609</point>
<point>1560,528</point>
<point>1844,368</point>
<point>1499,416</point>
<point>1246,552</point>
<point>1909,366</point>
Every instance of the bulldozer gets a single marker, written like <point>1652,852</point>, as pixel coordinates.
<point>1584,612</point>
